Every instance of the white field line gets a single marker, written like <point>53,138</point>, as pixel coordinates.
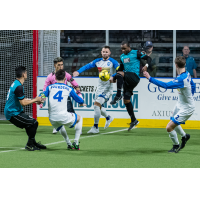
<point>70,140</point>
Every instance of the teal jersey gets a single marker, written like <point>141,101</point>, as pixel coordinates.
<point>13,106</point>
<point>131,61</point>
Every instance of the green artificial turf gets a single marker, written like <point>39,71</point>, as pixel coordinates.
<point>140,148</point>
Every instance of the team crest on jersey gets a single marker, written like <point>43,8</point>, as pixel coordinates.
<point>108,63</point>
<point>126,60</point>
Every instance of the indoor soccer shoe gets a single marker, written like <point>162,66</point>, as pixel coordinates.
<point>108,122</point>
<point>76,147</point>
<point>115,100</point>
<point>184,140</point>
<point>133,124</point>
<point>174,149</point>
<point>93,130</point>
<point>54,131</point>
<point>31,147</point>
<point>39,145</point>
<point>70,147</point>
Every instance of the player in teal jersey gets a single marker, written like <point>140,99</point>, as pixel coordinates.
<point>128,76</point>
<point>14,111</point>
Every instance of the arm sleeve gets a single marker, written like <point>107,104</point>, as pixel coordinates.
<point>88,66</point>
<point>192,86</point>
<point>71,80</point>
<point>19,92</point>
<point>47,82</point>
<point>141,55</point>
<point>175,84</point>
<point>194,64</point>
<point>121,66</point>
<point>76,97</point>
<point>46,92</point>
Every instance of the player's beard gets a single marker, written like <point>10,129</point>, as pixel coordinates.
<point>105,57</point>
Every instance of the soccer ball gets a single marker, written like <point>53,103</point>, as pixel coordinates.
<point>104,75</point>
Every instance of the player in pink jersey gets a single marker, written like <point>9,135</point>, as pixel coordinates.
<point>58,64</point>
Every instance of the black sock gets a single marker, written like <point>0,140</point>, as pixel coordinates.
<point>31,132</point>
<point>120,82</point>
<point>129,108</point>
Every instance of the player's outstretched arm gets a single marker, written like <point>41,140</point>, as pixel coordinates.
<point>25,102</point>
<point>76,97</point>
<point>175,84</point>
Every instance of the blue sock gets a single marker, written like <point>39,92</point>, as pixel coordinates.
<point>96,126</point>
<point>107,118</point>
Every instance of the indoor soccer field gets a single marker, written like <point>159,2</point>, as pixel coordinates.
<point>112,148</point>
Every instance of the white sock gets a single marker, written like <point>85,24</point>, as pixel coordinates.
<point>97,114</point>
<point>103,112</point>
<point>173,136</point>
<point>78,130</point>
<point>180,131</point>
<point>63,132</point>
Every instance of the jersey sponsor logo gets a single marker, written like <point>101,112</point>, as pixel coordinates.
<point>126,60</point>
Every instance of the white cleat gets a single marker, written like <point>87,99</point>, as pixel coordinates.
<point>54,131</point>
<point>108,122</point>
<point>93,130</point>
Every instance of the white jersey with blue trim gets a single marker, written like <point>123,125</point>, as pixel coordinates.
<point>58,94</point>
<point>185,86</point>
<point>110,65</point>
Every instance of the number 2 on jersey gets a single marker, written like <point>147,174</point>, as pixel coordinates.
<point>58,96</point>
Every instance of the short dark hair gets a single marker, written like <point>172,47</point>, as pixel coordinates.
<point>60,74</point>
<point>58,59</point>
<point>106,47</point>
<point>125,42</point>
<point>180,61</point>
<point>19,71</point>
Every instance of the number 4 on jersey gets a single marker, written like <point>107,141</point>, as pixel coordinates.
<point>58,96</point>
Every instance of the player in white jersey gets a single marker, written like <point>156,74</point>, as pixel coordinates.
<point>104,89</point>
<point>58,94</point>
<point>185,106</point>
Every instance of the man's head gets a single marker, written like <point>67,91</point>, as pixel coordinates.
<point>186,51</point>
<point>149,46</point>
<point>58,63</point>
<point>21,72</point>
<point>180,62</point>
<point>125,47</point>
<point>105,52</point>
<point>60,75</point>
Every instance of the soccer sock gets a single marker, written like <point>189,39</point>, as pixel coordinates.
<point>31,132</point>
<point>173,136</point>
<point>104,113</point>
<point>63,132</point>
<point>129,108</point>
<point>78,129</point>
<point>120,81</point>
<point>180,131</point>
<point>97,115</point>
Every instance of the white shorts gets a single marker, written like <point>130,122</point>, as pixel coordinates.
<point>69,121</point>
<point>181,116</point>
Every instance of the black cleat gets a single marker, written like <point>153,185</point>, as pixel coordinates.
<point>76,147</point>
<point>70,147</point>
<point>115,100</point>
<point>133,124</point>
<point>39,145</point>
<point>175,149</point>
<point>184,141</point>
<point>31,147</point>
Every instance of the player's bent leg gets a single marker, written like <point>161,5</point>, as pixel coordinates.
<point>97,115</point>
<point>109,118</point>
<point>173,136</point>
<point>63,132</point>
<point>78,129</point>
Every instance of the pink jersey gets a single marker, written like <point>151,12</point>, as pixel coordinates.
<point>51,79</point>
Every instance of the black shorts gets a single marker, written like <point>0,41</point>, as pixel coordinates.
<point>130,82</point>
<point>70,106</point>
<point>22,120</point>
